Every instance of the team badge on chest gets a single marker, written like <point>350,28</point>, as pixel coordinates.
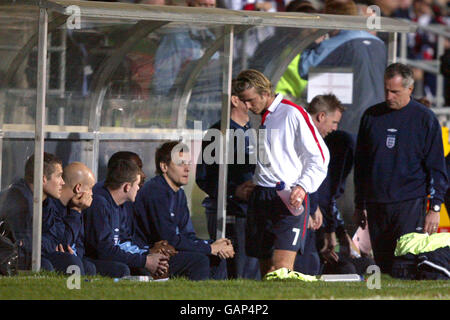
<point>390,139</point>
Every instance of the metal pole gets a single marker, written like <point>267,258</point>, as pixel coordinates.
<point>224,126</point>
<point>439,77</point>
<point>2,133</point>
<point>39,140</point>
<point>403,47</point>
<point>392,49</point>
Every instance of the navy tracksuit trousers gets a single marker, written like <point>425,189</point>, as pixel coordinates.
<point>192,265</point>
<point>241,265</point>
<point>308,262</point>
<point>388,222</point>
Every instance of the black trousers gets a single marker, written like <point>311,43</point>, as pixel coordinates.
<point>241,265</point>
<point>388,222</point>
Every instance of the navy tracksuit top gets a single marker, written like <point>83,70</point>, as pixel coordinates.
<point>73,234</point>
<point>17,207</point>
<point>105,232</point>
<point>163,214</point>
<point>399,156</point>
<point>240,171</point>
<point>52,225</point>
<point>341,145</point>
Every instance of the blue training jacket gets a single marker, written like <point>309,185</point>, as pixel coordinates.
<point>54,226</point>
<point>240,171</point>
<point>163,214</point>
<point>126,217</point>
<point>73,235</point>
<point>17,208</point>
<point>341,145</point>
<point>399,156</point>
<point>105,233</point>
<point>363,53</point>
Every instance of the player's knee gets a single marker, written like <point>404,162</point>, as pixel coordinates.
<point>283,259</point>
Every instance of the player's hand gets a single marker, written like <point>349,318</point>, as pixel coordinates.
<point>432,222</point>
<point>297,196</point>
<point>157,264</point>
<point>317,220</point>
<point>360,218</point>
<point>222,248</point>
<point>81,201</point>
<point>164,248</point>
<point>328,251</point>
<point>226,253</point>
<point>244,190</point>
<point>70,250</point>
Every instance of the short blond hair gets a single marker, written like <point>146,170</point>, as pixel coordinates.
<point>251,78</point>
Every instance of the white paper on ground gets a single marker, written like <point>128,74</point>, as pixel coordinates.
<point>340,277</point>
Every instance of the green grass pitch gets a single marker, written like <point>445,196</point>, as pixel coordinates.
<point>50,286</point>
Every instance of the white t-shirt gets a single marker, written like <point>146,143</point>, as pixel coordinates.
<point>290,149</point>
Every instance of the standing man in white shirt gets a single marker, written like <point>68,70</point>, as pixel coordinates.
<point>293,154</point>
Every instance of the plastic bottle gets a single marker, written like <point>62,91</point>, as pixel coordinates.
<point>285,193</point>
<point>140,279</point>
<point>134,278</point>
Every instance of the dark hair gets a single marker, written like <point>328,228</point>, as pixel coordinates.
<point>164,153</point>
<point>327,103</point>
<point>131,156</point>
<point>301,6</point>
<point>341,8</point>
<point>125,155</point>
<point>120,172</point>
<point>400,69</point>
<point>50,160</point>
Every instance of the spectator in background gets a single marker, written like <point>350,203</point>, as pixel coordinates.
<point>387,7</point>
<point>202,3</point>
<point>177,48</point>
<point>422,45</point>
<point>445,70</point>
<point>399,161</point>
<point>291,85</point>
<point>360,51</point>
<point>153,2</point>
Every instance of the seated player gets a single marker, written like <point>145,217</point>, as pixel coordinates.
<point>106,236</point>
<point>162,213</point>
<point>17,211</point>
<point>76,196</point>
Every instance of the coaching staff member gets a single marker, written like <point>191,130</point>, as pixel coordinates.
<point>290,150</point>
<point>399,160</point>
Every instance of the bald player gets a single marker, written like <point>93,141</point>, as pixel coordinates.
<point>76,196</point>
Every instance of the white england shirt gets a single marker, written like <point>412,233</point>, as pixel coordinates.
<point>290,148</point>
